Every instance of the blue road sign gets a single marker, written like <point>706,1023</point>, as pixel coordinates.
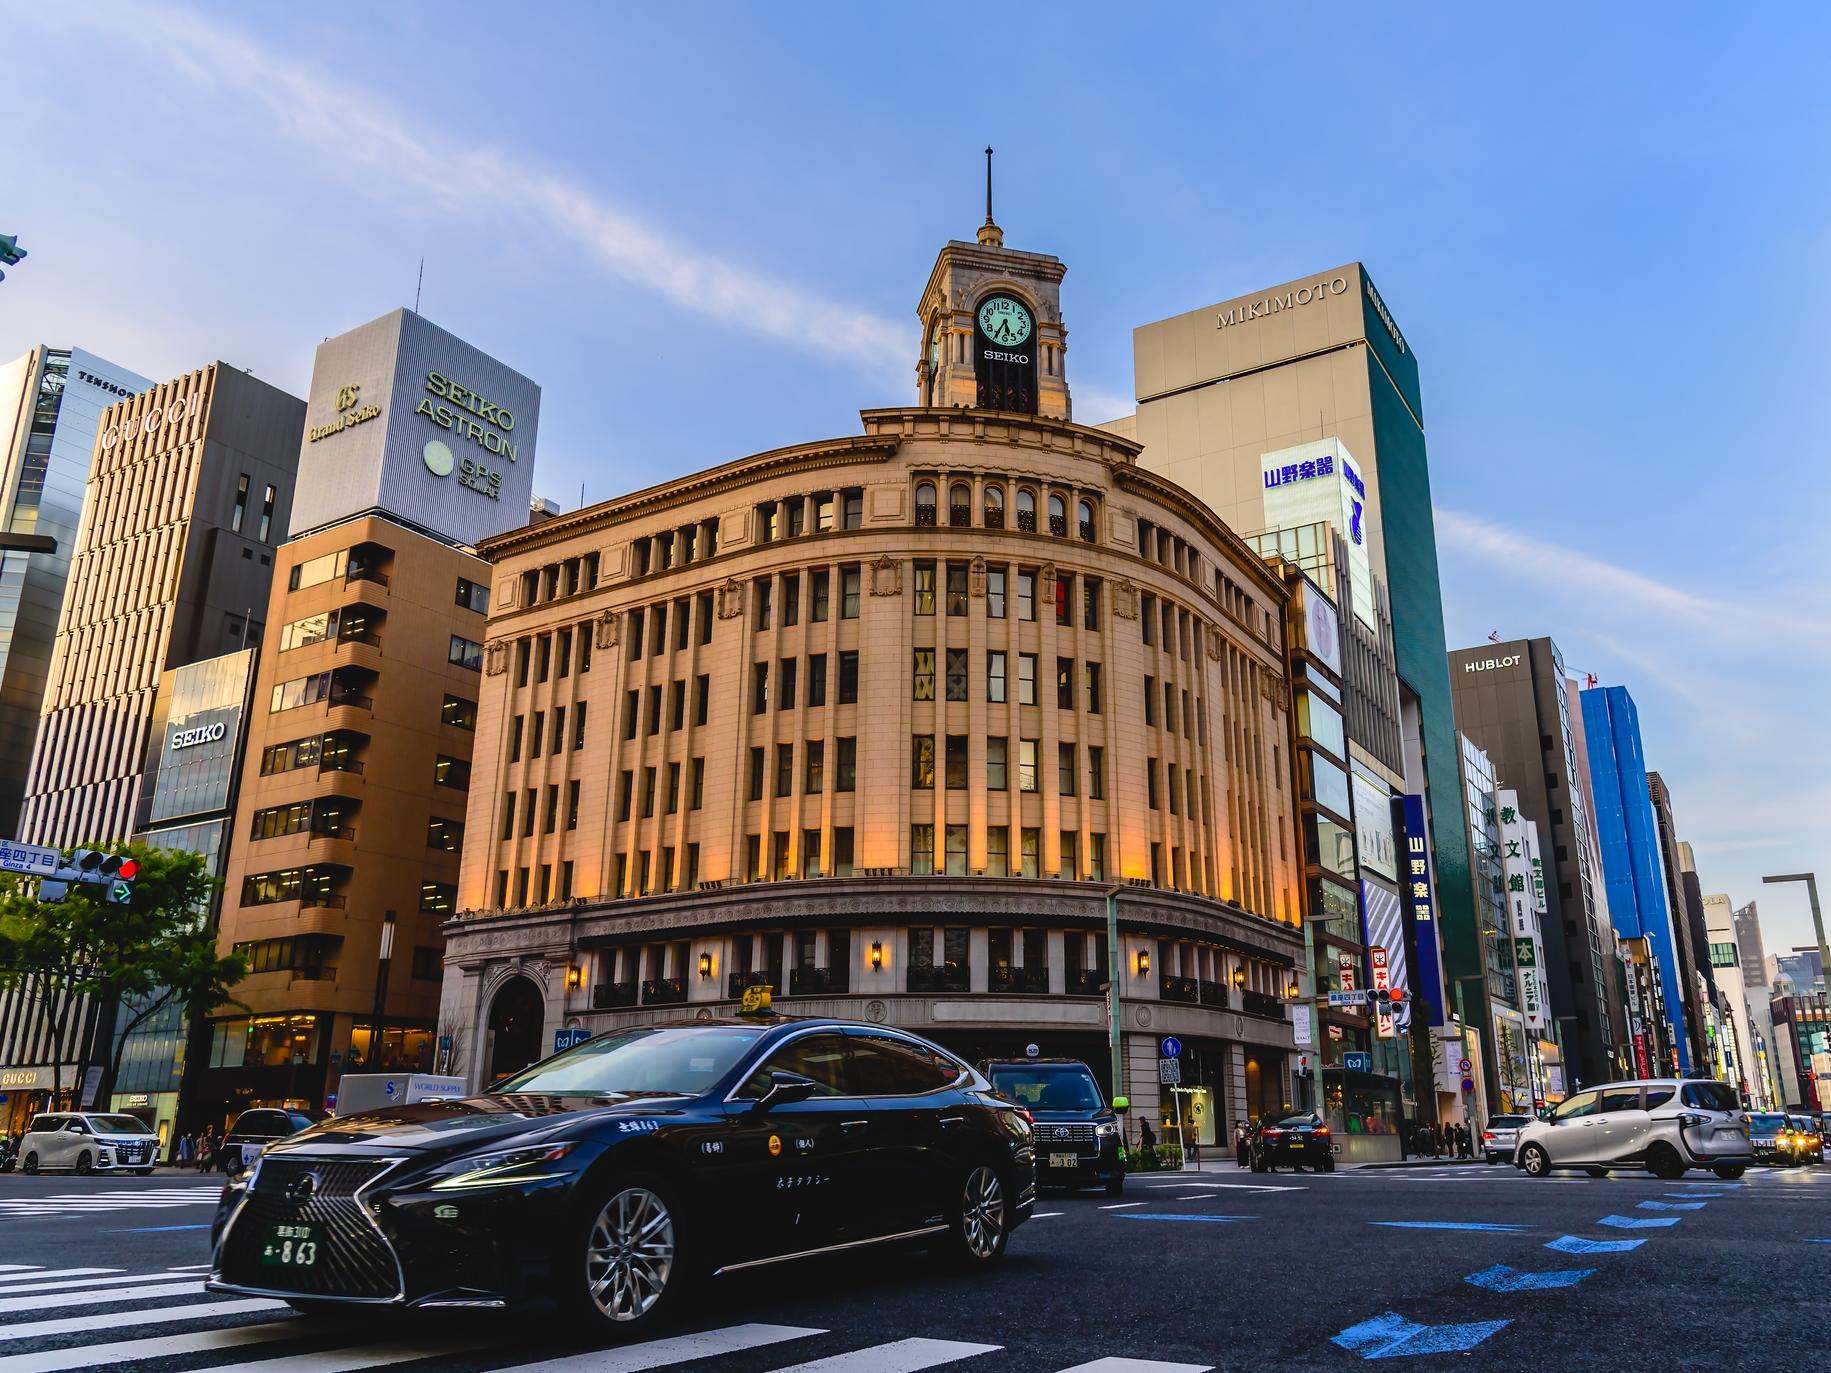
<point>1357,1061</point>
<point>565,1037</point>
<point>1172,1046</point>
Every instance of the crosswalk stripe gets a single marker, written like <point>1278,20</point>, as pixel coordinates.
<point>899,1356</point>
<point>50,1301</point>
<point>10,1278</point>
<point>157,1347</point>
<point>1138,1366</point>
<point>636,1358</point>
<point>115,1320</point>
<point>347,1360</point>
<point>56,1284</point>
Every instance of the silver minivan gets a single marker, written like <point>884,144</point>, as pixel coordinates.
<point>88,1142</point>
<point>1664,1125</point>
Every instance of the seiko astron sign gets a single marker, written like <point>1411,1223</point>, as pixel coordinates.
<point>407,420</point>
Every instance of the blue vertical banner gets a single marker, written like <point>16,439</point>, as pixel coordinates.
<point>1420,906</point>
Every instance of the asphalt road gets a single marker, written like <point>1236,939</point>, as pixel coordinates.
<point>1218,1270</point>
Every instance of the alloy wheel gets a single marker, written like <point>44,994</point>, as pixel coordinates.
<point>630,1254</point>
<point>982,1213</point>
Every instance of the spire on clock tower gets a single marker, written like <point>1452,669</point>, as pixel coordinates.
<point>992,332</point>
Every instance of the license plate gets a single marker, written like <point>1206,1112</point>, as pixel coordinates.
<point>1064,1161</point>
<point>1296,1144</point>
<point>291,1245</point>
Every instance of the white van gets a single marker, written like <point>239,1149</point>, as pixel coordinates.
<point>86,1142</point>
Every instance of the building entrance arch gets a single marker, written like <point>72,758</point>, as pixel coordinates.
<point>517,1015</point>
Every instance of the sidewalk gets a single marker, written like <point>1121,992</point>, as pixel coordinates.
<point>1212,1162</point>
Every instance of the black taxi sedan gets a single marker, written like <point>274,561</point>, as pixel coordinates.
<point>607,1178</point>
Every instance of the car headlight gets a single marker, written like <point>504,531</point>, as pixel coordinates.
<point>504,1168</point>
<point>1107,1130</point>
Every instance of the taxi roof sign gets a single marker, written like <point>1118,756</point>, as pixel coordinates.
<point>756,1002</point>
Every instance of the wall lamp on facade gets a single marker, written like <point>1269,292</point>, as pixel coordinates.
<point>1144,962</point>
<point>575,976</point>
<point>1239,977</point>
<point>705,965</point>
<point>877,956</point>
<point>1290,991</point>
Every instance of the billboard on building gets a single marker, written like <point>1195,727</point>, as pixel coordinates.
<point>415,423</point>
<point>1318,626</point>
<point>1321,480</point>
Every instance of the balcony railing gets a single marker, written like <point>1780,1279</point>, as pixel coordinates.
<point>949,978</point>
<point>365,574</point>
<point>1259,1004</point>
<point>1026,521</point>
<point>361,636</point>
<point>994,517</point>
<point>1087,531</point>
<point>736,982</point>
<point>815,981</point>
<point>960,516</point>
<point>349,697</point>
<point>333,832</point>
<point>664,991</point>
<point>1084,981</point>
<point>330,901</point>
<point>1024,979</point>
<point>340,765</point>
<point>606,995</point>
<point>1178,988</point>
<point>1215,994</point>
<point>1058,526</point>
<point>925,517</point>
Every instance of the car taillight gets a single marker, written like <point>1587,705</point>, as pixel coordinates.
<point>1320,1130</point>
<point>1487,1134</point>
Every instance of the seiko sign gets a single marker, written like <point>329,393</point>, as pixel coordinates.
<point>151,420</point>
<point>1490,664</point>
<point>198,734</point>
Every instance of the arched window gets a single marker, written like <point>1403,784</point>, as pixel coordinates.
<point>1085,511</point>
<point>1058,516</point>
<point>1026,510</point>
<point>960,504</point>
<point>925,503</point>
<point>994,507</point>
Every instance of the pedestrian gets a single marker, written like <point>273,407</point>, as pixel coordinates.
<point>1242,1154</point>
<point>1466,1140</point>
<point>1147,1138</point>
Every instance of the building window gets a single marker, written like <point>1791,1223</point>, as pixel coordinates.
<point>925,505</point>
<point>850,579</point>
<point>922,762</point>
<point>1064,597</point>
<point>1026,764</point>
<point>1150,701</point>
<point>814,781</point>
<point>466,653</point>
<point>791,600</point>
<point>451,772</point>
<point>648,793</point>
<point>786,672</point>
<point>848,678</point>
<point>924,674</point>
<point>572,807</point>
<point>447,836</point>
<point>816,679</point>
<point>697,785</point>
<point>459,713</point>
<point>852,504</point>
<point>428,963</point>
<point>762,597</point>
<point>756,773</point>
<point>1026,595</point>
<point>995,592</point>
<point>995,677</point>
<point>702,697</point>
<point>241,509</point>
<point>543,657</point>
<point>924,588</point>
<point>956,762</point>
<point>1071,866</point>
<point>785,770</point>
<point>537,733</point>
<point>956,588</point>
<point>1064,683</point>
<point>1096,857</point>
<point>1065,770</point>
<point>818,593</point>
<point>1085,510</point>
<point>842,851</point>
<point>956,674</point>
<point>996,756</point>
<point>956,850</point>
<point>1058,517</point>
<point>672,803</point>
<point>1092,672</point>
<point>508,817</point>
<point>1150,784</point>
<point>1030,852</point>
<point>994,507</point>
<point>759,688</point>
<point>1090,602</point>
<point>922,850</point>
<point>998,852</point>
<point>578,724</point>
<point>1026,510</point>
<point>1096,772</point>
<point>846,765</point>
<point>1026,679</point>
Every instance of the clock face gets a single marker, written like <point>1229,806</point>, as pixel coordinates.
<point>1004,321</point>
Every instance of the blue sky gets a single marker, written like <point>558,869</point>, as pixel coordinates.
<point>703,230</point>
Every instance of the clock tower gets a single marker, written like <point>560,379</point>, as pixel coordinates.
<point>992,334</point>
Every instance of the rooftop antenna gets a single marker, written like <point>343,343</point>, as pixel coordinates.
<point>417,285</point>
<point>989,232</point>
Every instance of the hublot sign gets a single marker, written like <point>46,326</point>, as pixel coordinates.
<point>1490,664</point>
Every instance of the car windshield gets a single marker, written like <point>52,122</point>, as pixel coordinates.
<point>1766,1122</point>
<point>119,1125</point>
<point>1711,1096</point>
<point>1298,1123</point>
<point>1045,1090</point>
<point>1506,1122</point>
<point>683,1061</point>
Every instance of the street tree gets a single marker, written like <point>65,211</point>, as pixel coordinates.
<point>138,956</point>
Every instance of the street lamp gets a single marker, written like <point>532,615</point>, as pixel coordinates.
<point>1818,919</point>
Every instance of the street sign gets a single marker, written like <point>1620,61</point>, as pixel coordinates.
<point>34,859</point>
<point>120,893</point>
<point>1463,1066</point>
<point>1357,1061</point>
<point>1172,1047</point>
<point>1339,999</point>
<point>566,1036</point>
<point>1468,1084</point>
<point>1169,1072</point>
<point>1031,1051</point>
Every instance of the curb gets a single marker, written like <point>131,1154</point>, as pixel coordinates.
<point>1422,1163</point>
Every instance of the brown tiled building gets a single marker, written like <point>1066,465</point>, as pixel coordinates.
<point>878,721</point>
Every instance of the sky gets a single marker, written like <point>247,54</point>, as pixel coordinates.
<point>704,230</point>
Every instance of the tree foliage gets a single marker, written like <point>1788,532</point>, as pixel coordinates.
<point>144,954</point>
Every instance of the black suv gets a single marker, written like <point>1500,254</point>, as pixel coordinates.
<point>1079,1142</point>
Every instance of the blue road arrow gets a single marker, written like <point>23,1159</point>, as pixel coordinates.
<point>1391,1335</point>
<point>1649,1223</point>
<point>1818,1241</point>
<point>1673,1205</point>
<point>1501,1278</point>
<point>1448,1225</point>
<point>1170,1215</point>
<point>1572,1244</point>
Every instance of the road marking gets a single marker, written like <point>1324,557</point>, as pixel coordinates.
<point>899,1356</point>
<point>114,1320</point>
<point>1673,1205</point>
<point>51,1301</point>
<point>48,1273</point>
<point>1045,1215</point>
<point>53,1283</point>
<point>1630,1223</point>
<point>1449,1225</point>
<point>1573,1244</point>
<point>1170,1215</point>
<point>157,1347</point>
<point>1121,1205</point>
<point>636,1358</point>
<point>189,1268</point>
<point>1245,1187</point>
<point>1391,1335</point>
<point>1138,1366</point>
<point>343,1360</point>
<point>158,1229</point>
<point>1501,1278</point>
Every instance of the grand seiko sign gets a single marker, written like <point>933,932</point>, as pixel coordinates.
<point>1287,300</point>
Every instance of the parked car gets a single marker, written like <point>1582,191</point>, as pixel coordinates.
<point>255,1129</point>
<point>605,1181</point>
<point>1079,1142</point>
<point>1665,1125</point>
<point>1300,1141</point>
<point>88,1142</point>
<point>1500,1137</point>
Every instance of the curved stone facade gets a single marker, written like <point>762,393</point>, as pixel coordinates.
<point>878,721</point>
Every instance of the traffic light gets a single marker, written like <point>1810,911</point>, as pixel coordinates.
<point>10,252</point>
<point>114,871</point>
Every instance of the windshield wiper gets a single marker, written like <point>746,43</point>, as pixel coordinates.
<point>608,1098</point>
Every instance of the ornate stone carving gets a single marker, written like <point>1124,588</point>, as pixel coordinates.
<point>730,599</point>
<point>875,1011</point>
<point>886,577</point>
<point>1125,599</point>
<point>1047,589</point>
<point>496,657</point>
<point>976,581</point>
<point>609,625</point>
<point>1275,689</point>
<point>1216,643</point>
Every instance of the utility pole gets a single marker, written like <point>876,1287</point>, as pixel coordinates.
<point>1818,918</point>
<point>1119,1099</point>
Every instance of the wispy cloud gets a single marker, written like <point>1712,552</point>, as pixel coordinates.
<point>416,168</point>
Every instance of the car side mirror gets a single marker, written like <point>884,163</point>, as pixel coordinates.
<point>785,1089</point>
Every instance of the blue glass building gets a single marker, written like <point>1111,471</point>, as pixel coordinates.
<point>1628,835</point>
